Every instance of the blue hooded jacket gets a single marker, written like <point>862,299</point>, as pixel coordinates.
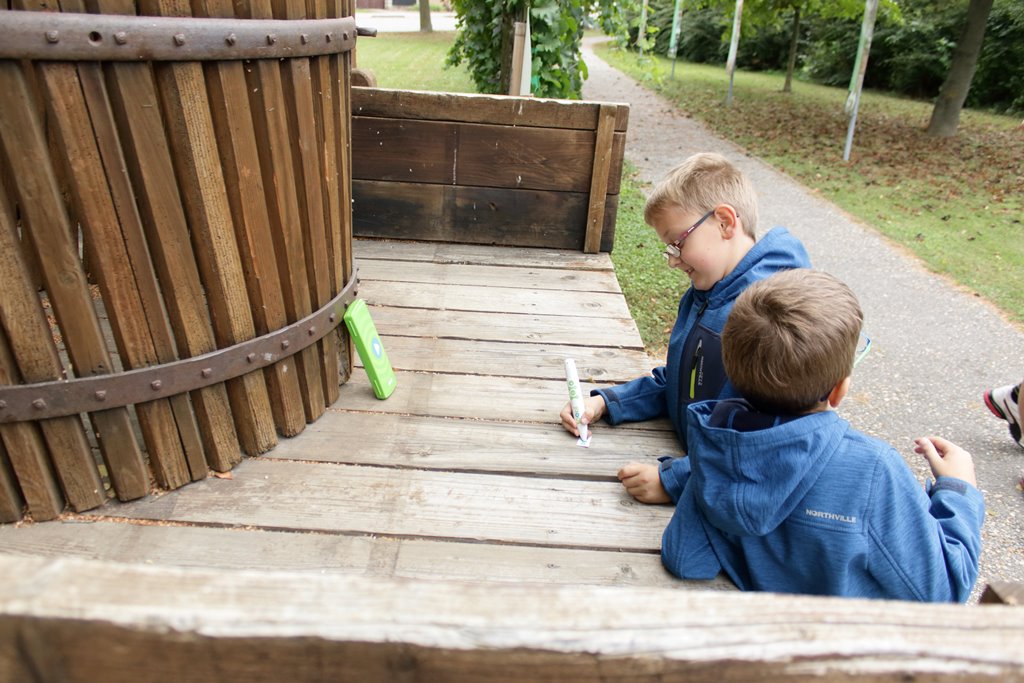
<point>694,370</point>
<point>808,505</point>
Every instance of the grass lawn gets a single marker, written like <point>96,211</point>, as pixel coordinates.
<point>956,203</point>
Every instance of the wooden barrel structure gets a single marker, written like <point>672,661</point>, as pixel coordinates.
<point>175,239</point>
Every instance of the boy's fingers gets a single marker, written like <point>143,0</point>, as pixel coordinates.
<point>926,448</point>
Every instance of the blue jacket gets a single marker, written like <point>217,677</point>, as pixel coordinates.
<point>808,505</point>
<point>693,369</point>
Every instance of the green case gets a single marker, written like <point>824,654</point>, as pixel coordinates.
<point>371,350</point>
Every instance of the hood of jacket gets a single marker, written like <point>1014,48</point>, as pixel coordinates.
<point>751,469</point>
<point>776,250</point>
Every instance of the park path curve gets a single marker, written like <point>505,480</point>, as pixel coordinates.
<point>936,346</point>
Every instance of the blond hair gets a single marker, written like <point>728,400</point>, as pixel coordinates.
<point>701,183</point>
<point>790,339</point>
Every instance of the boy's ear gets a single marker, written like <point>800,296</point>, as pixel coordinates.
<point>728,219</point>
<point>839,391</point>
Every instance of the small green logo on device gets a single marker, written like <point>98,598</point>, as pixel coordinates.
<point>371,350</point>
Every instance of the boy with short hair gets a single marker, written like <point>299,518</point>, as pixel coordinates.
<point>783,495</point>
<point>705,211</point>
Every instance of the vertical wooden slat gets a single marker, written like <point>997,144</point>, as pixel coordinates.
<point>112,267</point>
<point>66,286</point>
<point>279,177</point>
<point>305,120</point>
<point>138,116</point>
<point>141,266</point>
<point>11,502</point>
<point>599,177</point>
<point>232,118</point>
<point>197,167</point>
<point>30,354</point>
<point>28,456</point>
<point>341,70</point>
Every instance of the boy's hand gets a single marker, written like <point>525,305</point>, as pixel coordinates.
<point>643,482</point>
<point>593,410</point>
<point>946,459</point>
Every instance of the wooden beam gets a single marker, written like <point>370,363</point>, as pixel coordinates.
<point>599,179</point>
<point>118,622</point>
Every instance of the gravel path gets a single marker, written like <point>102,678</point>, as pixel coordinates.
<point>936,347</point>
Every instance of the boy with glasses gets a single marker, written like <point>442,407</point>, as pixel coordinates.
<point>705,212</point>
<point>783,495</point>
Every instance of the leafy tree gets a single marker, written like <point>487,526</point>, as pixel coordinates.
<point>556,26</point>
<point>953,94</point>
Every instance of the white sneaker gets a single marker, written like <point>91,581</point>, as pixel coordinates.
<point>1003,402</point>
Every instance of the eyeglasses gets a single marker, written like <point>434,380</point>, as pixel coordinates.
<point>676,248</point>
<point>863,346</point>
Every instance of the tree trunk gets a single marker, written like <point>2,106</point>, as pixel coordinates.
<point>946,114</point>
<point>793,41</point>
<point>425,25</point>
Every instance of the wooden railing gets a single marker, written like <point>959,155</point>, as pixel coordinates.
<point>483,169</point>
<point>174,226</point>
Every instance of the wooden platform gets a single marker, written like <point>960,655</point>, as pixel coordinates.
<point>462,473</point>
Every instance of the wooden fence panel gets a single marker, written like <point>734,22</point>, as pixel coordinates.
<point>152,181</point>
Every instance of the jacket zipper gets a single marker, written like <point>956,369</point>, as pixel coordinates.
<point>698,354</point>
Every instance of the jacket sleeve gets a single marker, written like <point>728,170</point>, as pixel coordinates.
<point>674,473</point>
<point>640,399</point>
<point>926,545</point>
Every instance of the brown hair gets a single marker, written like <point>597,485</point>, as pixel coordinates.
<point>790,339</point>
<point>701,183</point>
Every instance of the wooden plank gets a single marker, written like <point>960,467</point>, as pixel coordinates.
<point>239,150</point>
<point>270,626</point>
<point>470,445</point>
<point>139,120</point>
<point>301,108</point>
<point>328,143</point>
<point>600,183</point>
<point>45,215</point>
<point>613,333</point>
<point>473,507</point>
<point>491,276</point>
<point>474,357</point>
<point>479,215</point>
<point>166,438</point>
<point>251,549</point>
<point>196,162</point>
<point>475,108</point>
<point>497,156</point>
<point>476,254</point>
<point>11,501</point>
<point>266,90</point>
<point>584,305</point>
<point>469,396</point>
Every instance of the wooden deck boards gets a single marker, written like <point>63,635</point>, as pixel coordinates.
<point>463,473</point>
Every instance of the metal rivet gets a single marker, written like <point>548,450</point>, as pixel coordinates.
<point>312,331</point>
<point>304,38</point>
<point>39,404</point>
<point>52,36</point>
<point>231,39</point>
<point>120,37</point>
<point>271,39</point>
<point>251,357</point>
<point>156,384</point>
<point>179,39</point>
<point>329,37</point>
<point>344,35</point>
<point>207,372</point>
<point>332,317</point>
<point>285,344</point>
<point>3,404</point>
<point>100,395</point>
